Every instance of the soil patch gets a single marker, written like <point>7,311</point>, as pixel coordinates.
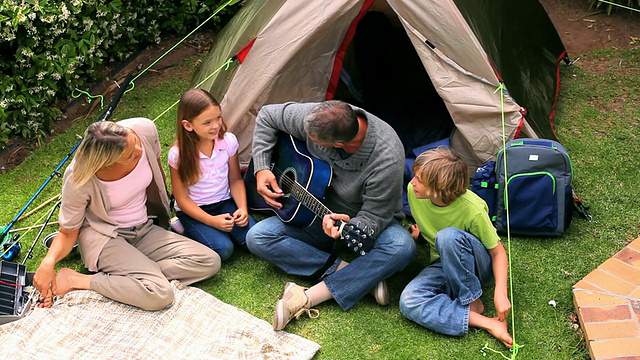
<point>582,29</point>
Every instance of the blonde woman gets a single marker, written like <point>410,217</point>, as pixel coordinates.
<point>112,191</point>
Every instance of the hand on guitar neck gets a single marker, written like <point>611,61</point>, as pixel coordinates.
<point>333,224</point>
<point>337,226</point>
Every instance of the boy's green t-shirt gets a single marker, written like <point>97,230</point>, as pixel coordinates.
<point>468,212</point>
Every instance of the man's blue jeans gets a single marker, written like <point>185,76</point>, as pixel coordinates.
<point>439,297</point>
<point>221,242</point>
<point>302,251</point>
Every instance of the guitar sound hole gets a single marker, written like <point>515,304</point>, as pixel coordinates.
<point>287,180</point>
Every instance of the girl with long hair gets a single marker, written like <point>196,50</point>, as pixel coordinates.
<point>211,199</point>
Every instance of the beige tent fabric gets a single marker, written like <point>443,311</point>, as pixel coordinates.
<point>472,103</point>
<point>442,24</point>
<point>86,325</point>
<point>250,21</point>
<point>291,60</point>
<point>293,55</point>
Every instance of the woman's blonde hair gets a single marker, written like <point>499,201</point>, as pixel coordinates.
<point>443,173</point>
<point>103,144</point>
<point>192,103</point>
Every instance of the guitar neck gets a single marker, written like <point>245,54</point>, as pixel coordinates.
<point>309,201</point>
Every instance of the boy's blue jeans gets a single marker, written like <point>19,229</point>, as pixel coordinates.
<point>302,251</point>
<point>439,297</point>
<point>221,242</point>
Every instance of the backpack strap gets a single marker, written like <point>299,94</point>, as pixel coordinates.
<point>490,185</point>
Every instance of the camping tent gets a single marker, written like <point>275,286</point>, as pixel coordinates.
<point>431,68</point>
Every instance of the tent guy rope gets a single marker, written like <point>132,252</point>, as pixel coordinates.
<point>618,5</point>
<point>515,347</point>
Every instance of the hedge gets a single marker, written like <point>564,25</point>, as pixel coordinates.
<point>50,48</point>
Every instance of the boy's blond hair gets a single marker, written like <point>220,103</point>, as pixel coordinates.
<point>443,173</point>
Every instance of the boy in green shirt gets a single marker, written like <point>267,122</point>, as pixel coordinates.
<point>466,251</point>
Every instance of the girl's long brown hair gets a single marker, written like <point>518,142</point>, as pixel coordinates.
<point>192,103</point>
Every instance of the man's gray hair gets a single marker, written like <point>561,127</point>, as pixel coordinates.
<point>331,122</point>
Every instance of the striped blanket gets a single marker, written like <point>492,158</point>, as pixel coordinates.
<point>86,325</point>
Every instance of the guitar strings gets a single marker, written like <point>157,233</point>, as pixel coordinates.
<point>296,188</point>
<point>355,246</point>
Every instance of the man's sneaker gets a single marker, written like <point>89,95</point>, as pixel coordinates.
<point>381,293</point>
<point>294,303</point>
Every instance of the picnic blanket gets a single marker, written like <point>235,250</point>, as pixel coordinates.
<point>87,325</point>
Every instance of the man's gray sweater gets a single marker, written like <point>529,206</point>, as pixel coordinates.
<point>366,185</point>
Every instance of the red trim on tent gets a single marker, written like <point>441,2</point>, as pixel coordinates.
<point>240,55</point>
<point>555,96</point>
<point>519,129</point>
<point>337,63</point>
<point>495,71</point>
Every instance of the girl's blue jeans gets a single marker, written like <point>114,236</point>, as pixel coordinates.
<point>439,297</point>
<point>221,242</point>
<point>302,251</point>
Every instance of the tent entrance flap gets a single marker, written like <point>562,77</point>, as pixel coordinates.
<point>375,54</point>
<point>383,74</point>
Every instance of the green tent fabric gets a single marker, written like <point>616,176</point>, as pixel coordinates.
<point>520,40</point>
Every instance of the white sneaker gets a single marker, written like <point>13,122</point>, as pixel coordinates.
<point>381,293</point>
<point>294,303</point>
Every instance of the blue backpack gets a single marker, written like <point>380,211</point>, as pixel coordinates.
<point>535,188</point>
<point>484,185</point>
<point>538,190</point>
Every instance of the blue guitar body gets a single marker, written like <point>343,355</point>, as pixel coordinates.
<point>299,175</point>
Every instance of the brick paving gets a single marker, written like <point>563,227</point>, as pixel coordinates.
<point>608,304</point>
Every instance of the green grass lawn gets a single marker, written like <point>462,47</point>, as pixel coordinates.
<point>597,121</point>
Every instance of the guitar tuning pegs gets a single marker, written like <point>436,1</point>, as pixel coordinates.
<point>362,252</point>
<point>368,231</point>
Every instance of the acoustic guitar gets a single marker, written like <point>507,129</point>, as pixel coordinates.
<point>303,179</point>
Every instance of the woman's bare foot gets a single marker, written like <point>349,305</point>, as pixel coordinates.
<point>68,280</point>
<point>477,306</point>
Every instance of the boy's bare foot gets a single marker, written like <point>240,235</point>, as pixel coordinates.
<point>68,280</point>
<point>499,330</point>
<point>495,327</point>
<point>477,306</point>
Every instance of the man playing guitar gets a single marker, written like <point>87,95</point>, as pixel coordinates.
<point>366,158</point>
